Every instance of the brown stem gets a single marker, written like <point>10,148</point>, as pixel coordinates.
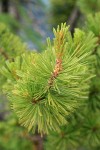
<point>37,141</point>
<point>34,101</point>
<point>55,73</point>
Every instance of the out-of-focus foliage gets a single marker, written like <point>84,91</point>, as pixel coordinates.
<point>10,47</point>
<point>10,21</point>
<point>83,132</point>
<point>89,6</point>
<point>12,136</point>
<point>93,24</point>
<point>61,10</point>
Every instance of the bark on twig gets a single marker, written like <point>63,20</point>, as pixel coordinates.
<point>37,141</point>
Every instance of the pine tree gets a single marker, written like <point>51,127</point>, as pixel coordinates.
<point>46,88</point>
<point>56,92</point>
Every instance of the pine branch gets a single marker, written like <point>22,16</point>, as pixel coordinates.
<point>50,86</point>
<point>59,44</point>
<point>55,73</point>
<point>9,48</point>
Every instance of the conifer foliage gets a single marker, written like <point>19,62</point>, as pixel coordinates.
<point>83,131</point>
<point>48,87</point>
<point>56,92</point>
<point>89,6</point>
<point>10,47</point>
